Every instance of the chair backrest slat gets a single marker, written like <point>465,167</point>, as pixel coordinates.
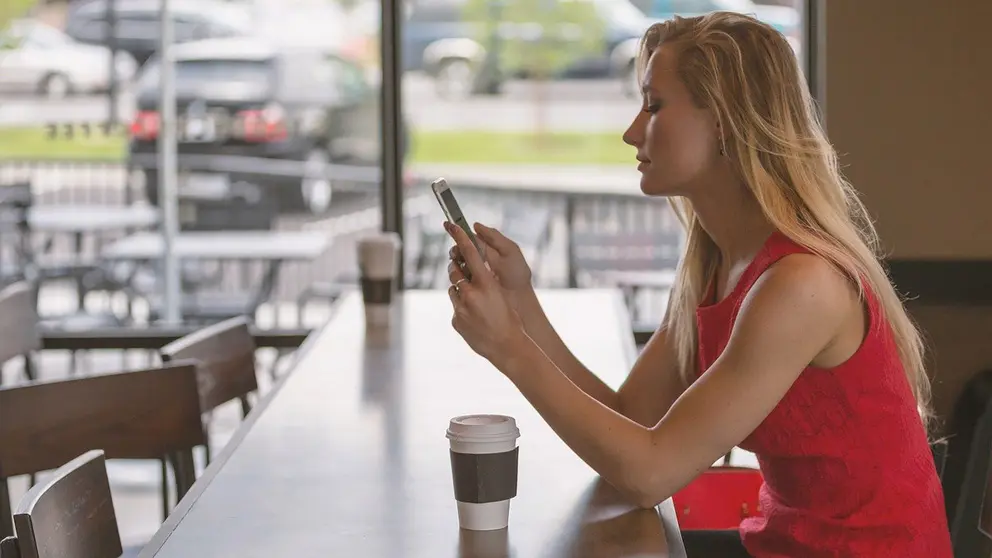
<point>225,357</point>
<point>71,515</point>
<point>133,415</point>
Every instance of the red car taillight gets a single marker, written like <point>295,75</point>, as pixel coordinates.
<point>261,126</point>
<point>146,125</point>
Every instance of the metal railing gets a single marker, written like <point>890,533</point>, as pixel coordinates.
<point>588,211</point>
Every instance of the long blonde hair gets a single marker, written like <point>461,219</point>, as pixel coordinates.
<point>747,73</point>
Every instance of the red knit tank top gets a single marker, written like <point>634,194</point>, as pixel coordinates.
<point>846,464</point>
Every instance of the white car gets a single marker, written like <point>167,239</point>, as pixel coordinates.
<point>36,57</point>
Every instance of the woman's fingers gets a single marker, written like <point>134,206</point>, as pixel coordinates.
<point>455,272</point>
<point>494,239</point>
<point>492,259</point>
<point>480,274</point>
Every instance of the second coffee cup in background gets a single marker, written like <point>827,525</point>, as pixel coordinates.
<point>378,267</point>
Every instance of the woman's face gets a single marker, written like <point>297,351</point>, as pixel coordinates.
<point>678,143</point>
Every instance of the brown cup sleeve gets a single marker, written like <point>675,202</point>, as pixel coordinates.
<point>377,291</point>
<point>484,477</point>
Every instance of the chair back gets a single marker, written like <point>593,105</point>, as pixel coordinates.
<point>224,354</point>
<point>8,548</point>
<point>71,515</point>
<point>18,321</point>
<point>971,526</point>
<point>147,414</point>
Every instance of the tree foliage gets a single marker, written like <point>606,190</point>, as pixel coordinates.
<point>14,9</point>
<point>538,37</point>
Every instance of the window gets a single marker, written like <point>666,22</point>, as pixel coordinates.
<point>507,125</point>
<point>348,77</point>
<point>188,28</point>
<point>437,11</point>
<point>138,27</point>
<point>210,77</point>
<point>92,29</point>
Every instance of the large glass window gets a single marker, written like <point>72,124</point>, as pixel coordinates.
<point>277,129</point>
<point>521,106</point>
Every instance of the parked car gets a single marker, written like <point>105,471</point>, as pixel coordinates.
<point>261,123</point>
<point>138,23</point>
<point>38,58</point>
<point>439,40</point>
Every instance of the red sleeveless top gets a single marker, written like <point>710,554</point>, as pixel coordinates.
<point>846,464</point>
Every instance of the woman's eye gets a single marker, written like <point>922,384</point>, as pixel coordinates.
<point>653,108</point>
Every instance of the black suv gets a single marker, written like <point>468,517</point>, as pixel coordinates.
<point>138,28</point>
<point>279,127</point>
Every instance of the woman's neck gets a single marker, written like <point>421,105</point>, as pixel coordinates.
<point>734,220</point>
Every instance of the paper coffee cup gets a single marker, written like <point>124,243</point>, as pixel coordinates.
<point>378,265</point>
<point>484,452</point>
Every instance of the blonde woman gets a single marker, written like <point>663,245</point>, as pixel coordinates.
<point>783,334</point>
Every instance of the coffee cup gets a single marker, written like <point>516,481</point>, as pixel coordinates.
<point>378,267</point>
<point>484,453</point>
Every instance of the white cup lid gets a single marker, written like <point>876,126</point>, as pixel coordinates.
<point>380,238</point>
<point>482,428</point>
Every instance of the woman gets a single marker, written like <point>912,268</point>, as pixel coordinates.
<point>783,334</point>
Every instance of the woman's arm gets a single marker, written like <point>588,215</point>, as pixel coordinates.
<point>649,390</point>
<point>792,313</point>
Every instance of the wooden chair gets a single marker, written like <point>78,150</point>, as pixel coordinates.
<point>224,354</point>
<point>70,516</point>
<point>144,414</point>
<point>19,323</point>
<point>8,548</point>
<point>971,526</point>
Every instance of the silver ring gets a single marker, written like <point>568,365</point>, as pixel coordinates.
<point>459,282</point>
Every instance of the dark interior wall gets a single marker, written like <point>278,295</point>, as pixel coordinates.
<point>908,89</point>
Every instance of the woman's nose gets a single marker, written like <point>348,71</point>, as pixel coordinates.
<point>635,132</point>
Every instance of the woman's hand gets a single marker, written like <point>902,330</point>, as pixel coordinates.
<point>482,314</point>
<point>504,259</point>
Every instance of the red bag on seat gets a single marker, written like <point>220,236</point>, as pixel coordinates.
<point>719,498</point>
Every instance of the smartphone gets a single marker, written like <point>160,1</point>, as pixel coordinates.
<point>453,212</point>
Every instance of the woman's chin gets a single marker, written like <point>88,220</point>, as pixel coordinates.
<point>653,187</point>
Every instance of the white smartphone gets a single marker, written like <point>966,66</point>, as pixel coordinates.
<point>453,212</point>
